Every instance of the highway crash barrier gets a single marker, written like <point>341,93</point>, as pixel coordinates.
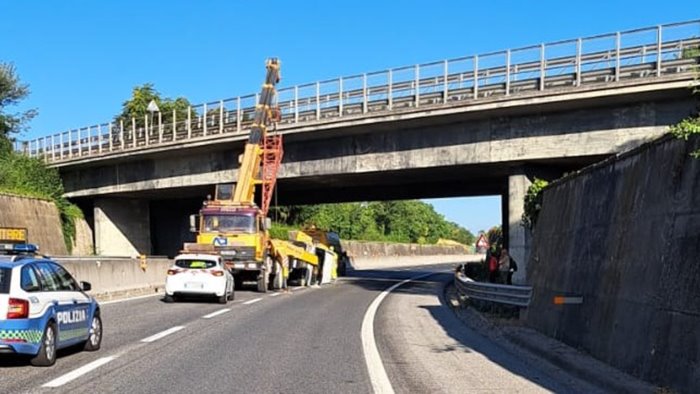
<point>502,294</point>
<point>113,277</point>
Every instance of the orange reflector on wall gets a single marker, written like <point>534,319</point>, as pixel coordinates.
<point>561,300</point>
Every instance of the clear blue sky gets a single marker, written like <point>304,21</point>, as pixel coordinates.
<point>82,58</point>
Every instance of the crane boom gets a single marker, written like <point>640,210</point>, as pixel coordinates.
<point>263,153</point>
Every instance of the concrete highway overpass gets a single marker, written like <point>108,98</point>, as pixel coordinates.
<point>462,127</point>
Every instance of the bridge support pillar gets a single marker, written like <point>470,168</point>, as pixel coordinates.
<point>518,236</point>
<point>122,227</point>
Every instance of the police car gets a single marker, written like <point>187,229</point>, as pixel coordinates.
<point>200,275</point>
<point>42,308</point>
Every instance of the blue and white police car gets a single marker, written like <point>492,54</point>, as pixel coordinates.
<point>42,308</point>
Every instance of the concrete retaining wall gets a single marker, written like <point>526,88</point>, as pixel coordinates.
<point>380,249</point>
<point>625,235</point>
<point>39,217</point>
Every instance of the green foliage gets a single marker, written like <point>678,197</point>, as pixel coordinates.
<point>26,176</point>
<point>533,203</point>
<point>495,238</point>
<point>390,221</point>
<point>690,52</point>
<point>12,91</point>
<point>137,106</point>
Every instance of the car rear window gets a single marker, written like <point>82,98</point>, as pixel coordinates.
<point>5,280</point>
<point>195,264</point>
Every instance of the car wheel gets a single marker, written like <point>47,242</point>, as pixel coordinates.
<point>232,294</point>
<point>169,299</point>
<point>47,352</point>
<point>223,299</point>
<point>95,339</point>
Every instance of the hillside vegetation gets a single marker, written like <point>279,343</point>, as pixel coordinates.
<point>388,221</point>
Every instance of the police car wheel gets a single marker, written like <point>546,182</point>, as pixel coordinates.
<point>95,339</point>
<point>47,352</point>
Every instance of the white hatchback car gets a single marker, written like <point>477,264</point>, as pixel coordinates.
<point>199,275</point>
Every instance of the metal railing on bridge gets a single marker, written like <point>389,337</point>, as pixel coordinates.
<point>641,53</point>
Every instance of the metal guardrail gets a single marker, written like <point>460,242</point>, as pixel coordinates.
<point>503,294</point>
<point>641,53</point>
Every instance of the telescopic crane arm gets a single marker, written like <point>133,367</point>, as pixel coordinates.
<point>263,153</point>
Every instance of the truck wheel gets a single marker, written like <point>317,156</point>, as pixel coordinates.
<point>263,282</point>
<point>47,352</point>
<point>278,281</point>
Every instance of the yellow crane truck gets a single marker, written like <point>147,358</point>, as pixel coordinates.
<point>235,227</point>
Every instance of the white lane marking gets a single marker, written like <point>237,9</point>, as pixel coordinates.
<point>252,301</point>
<point>275,294</point>
<point>162,334</point>
<point>375,367</point>
<point>60,381</point>
<point>129,299</point>
<point>217,313</point>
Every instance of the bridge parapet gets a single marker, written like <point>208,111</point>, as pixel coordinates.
<point>647,53</point>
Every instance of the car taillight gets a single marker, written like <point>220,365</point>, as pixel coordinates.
<point>217,273</point>
<point>18,309</point>
<point>173,272</point>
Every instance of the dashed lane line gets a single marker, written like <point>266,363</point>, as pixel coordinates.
<point>60,381</point>
<point>254,300</point>
<point>217,313</point>
<point>162,334</point>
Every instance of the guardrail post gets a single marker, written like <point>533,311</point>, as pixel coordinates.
<point>417,82</point>
<point>146,132</point>
<point>318,101</point>
<point>160,127</point>
<point>121,134</point>
<point>238,114</point>
<point>658,50</point>
<point>390,93</point>
<point>543,67</point>
<point>53,148</point>
<point>578,62</point>
<point>205,118</point>
<point>508,72</point>
<point>617,56</point>
<point>364,93</point>
<point>444,82</point>
<point>296,104</point>
<point>133,132</point>
<point>476,77</point>
<point>221,116</point>
<point>340,97</point>
<point>109,135</point>
<point>174,128</point>
<point>189,122</point>
<point>80,143</point>
<point>99,138</point>
<point>60,141</point>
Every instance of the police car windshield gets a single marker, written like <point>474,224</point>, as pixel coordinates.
<point>5,280</point>
<point>229,223</point>
<point>195,264</point>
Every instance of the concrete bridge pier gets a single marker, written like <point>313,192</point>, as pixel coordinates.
<point>517,236</point>
<point>122,226</point>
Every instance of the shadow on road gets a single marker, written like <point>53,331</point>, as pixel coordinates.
<point>469,339</point>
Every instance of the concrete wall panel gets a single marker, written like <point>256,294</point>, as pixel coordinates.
<point>625,235</point>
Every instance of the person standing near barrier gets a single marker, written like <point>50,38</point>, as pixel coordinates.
<point>504,266</point>
<point>493,267</point>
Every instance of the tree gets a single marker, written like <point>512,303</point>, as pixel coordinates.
<point>137,106</point>
<point>12,91</point>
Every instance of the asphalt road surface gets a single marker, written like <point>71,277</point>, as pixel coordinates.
<point>308,340</point>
